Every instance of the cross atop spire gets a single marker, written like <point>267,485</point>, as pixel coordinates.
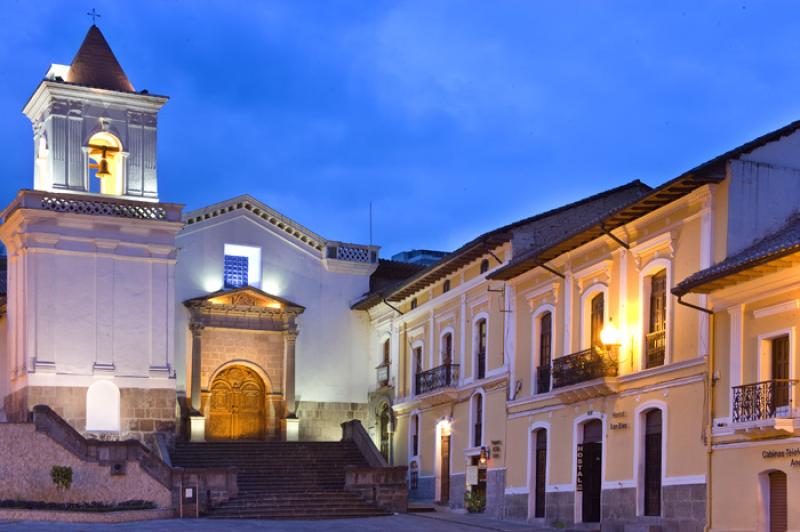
<point>95,15</point>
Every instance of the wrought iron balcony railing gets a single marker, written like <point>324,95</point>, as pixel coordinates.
<point>441,377</point>
<point>543,379</point>
<point>763,400</point>
<point>655,347</point>
<point>583,366</point>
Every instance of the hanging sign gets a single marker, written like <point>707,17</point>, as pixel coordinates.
<point>472,475</point>
<point>579,472</point>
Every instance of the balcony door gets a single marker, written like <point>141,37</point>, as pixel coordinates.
<point>545,352</point>
<point>597,319</point>
<point>780,370</point>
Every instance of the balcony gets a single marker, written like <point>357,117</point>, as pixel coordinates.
<point>655,348</point>
<point>766,406</point>
<point>585,374</point>
<point>436,379</point>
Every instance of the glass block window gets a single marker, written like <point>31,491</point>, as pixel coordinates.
<point>235,271</point>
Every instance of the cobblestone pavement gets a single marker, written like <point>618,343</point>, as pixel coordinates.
<point>435,522</point>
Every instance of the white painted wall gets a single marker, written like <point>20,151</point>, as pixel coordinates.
<point>332,352</point>
<point>91,296</point>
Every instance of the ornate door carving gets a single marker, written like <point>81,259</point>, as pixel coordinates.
<point>237,406</point>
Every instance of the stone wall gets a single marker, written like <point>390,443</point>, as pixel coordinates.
<point>264,349</point>
<point>323,421</point>
<point>27,456</point>
<point>495,492</point>
<point>683,509</point>
<point>458,486</point>
<point>426,490</point>
<point>143,411</point>
<point>516,506</point>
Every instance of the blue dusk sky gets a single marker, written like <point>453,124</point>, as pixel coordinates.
<point>453,118</point>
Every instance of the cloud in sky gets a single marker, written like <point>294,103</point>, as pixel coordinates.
<point>453,117</point>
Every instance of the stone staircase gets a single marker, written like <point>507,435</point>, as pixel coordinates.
<point>283,480</point>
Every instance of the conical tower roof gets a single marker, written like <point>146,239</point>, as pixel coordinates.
<point>96,66</point>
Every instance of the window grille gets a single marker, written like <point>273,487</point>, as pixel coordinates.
<point>235,271</point>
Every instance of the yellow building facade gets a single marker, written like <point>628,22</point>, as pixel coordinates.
<point>559,370</point>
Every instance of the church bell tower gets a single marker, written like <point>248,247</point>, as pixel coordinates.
<point>89,328</point>
<point>92,131</point>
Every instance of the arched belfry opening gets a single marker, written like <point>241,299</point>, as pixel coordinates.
<point>105,166</point>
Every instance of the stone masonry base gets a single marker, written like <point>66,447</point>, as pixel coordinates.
<point>323,421</point>
<point>143,411</point>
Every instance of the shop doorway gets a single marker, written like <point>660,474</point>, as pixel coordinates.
<point>590,470</point>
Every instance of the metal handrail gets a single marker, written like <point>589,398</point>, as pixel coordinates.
<point>585,365</point>
<point>442,376</point>
<point>762,400</point>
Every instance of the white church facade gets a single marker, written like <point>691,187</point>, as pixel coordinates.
<point>129,317</point>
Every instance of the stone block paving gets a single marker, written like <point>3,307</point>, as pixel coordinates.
<point>434,522</point>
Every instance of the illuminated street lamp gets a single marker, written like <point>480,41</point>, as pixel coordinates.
<point>610,335</point>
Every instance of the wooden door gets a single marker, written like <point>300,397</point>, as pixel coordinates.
<point>541,473</point>
<point>652,463</point>
<point>592,471</point>
<point>444,486</point>
<point>780,370</point>
<point>237,405</point>
<point>778,503</point>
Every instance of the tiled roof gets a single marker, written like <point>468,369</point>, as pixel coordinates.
<point>748,263</point>
<point>390,272</point>
<point>96,66</point>
<point>535,228</point>
<point>594,225</point>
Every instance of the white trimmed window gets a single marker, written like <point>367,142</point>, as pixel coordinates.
<point>242,266</point>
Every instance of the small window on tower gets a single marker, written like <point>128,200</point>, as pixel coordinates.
<point>242,266</point>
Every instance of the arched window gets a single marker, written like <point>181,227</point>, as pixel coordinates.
<point>480,366</point>
<point>545,352</point>
<point>447,349</point>
<point>477,417</point>
<point>655,346</point>
<point>446,286</point>
<point>413,303</point>
<point>105,163</point>
<point>652,462</point>
<point>484,266</point>
<point>102,407</point>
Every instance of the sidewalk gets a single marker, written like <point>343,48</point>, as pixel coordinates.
<point>477,521</point>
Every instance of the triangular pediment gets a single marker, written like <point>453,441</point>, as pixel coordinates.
<point>246,297</point>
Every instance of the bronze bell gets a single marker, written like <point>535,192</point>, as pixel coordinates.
<point>102,168</point>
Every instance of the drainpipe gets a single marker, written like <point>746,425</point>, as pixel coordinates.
<point>710,404</point>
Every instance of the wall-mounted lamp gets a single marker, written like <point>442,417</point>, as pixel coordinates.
<point>610,335</point>
<point>484,457</point>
